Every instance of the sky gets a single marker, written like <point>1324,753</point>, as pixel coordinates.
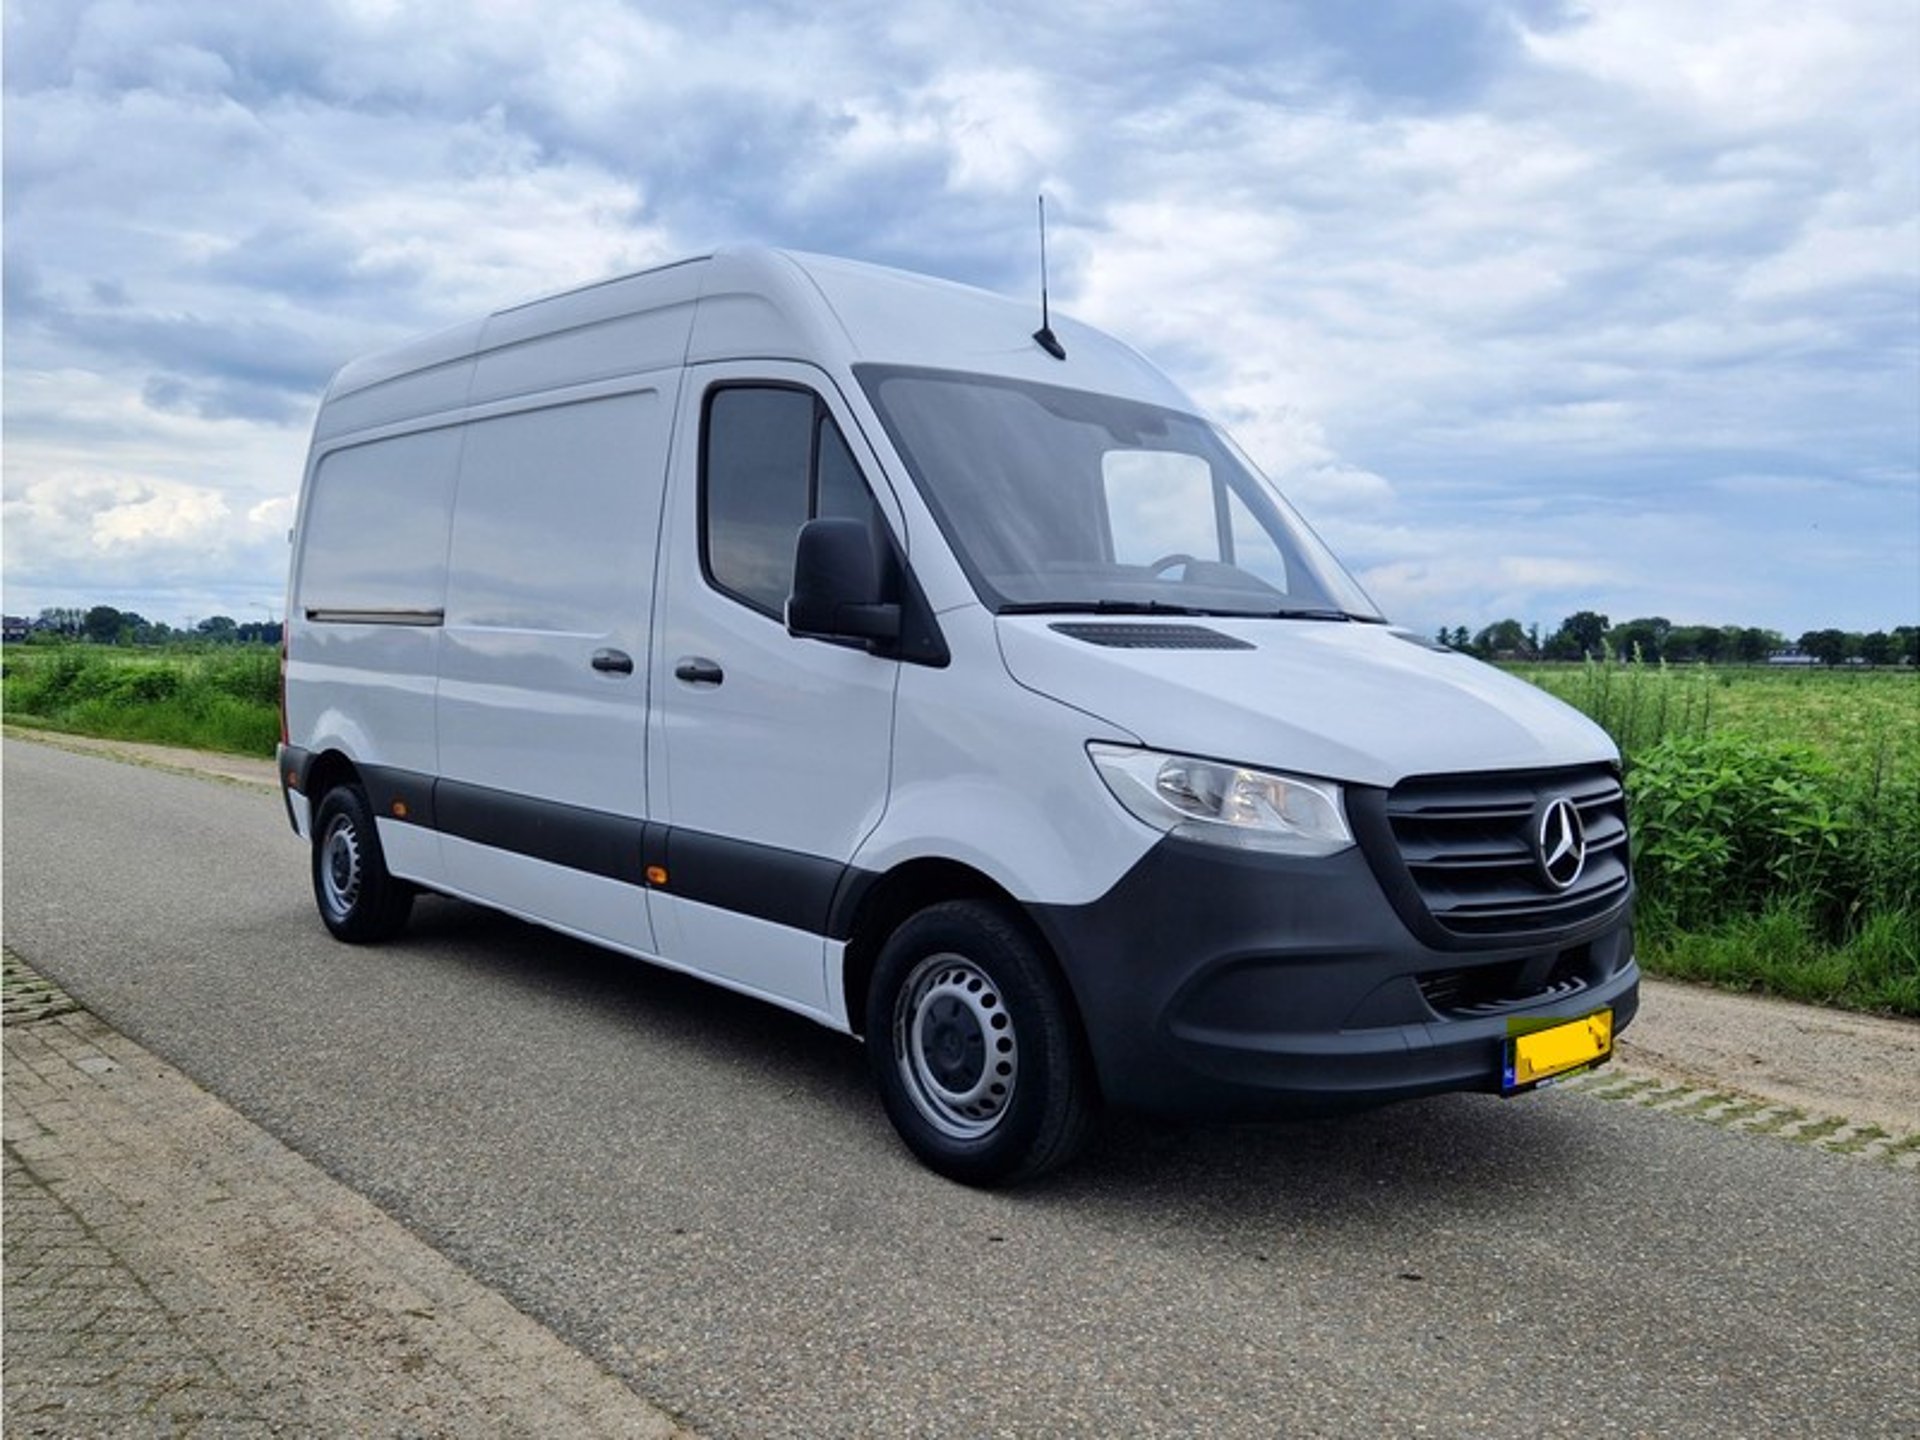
<point>1531,306</point>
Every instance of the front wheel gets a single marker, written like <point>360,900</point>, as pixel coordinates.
<point>359,901</point>
<point>974,1047</point>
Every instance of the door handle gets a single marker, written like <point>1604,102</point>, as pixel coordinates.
<point>613,662</point>
<point>698,670</point>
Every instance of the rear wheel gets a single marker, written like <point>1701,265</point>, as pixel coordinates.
<point>974,1047</point>
<point>359,901</point>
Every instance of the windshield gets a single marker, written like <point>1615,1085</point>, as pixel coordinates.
<point>1057,499</point>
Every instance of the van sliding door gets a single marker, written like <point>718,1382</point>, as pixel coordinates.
<point>543,675</point>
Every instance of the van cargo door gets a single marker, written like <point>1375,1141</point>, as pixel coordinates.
<point>543,675</point>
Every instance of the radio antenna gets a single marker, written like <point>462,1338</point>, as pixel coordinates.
<point>1048,341</point>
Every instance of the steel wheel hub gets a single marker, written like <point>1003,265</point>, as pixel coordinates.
<point>954,1043</point>
<point>340,866</point>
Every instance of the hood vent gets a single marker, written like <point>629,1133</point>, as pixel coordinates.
<point>1151,637</point>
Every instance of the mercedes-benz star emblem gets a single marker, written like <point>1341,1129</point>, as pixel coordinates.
<point>1561,845</point>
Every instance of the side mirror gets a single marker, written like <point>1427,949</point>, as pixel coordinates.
<point>837,592</point>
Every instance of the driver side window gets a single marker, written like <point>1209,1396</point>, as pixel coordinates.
<point>771,460</point>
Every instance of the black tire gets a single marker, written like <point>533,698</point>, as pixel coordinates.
<point>359,901</point>
<point>975,1048</point>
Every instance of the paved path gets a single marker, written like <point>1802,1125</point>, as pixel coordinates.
<point>173,1270</point>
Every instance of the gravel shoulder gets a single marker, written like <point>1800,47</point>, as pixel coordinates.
<point>1824,1062</point>
<point>1865,1068</point>
<point>239,769</point>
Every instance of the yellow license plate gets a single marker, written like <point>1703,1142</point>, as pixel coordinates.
<point>1536,1055</point>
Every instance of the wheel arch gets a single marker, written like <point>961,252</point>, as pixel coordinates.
<point>328,770</point>
<point>908,889</point>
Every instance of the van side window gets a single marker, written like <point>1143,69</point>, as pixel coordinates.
<point>377,522</point>
<point>771,460</point>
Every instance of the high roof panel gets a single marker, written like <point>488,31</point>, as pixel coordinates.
<point>735,304</point>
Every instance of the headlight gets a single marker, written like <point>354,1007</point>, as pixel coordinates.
<point>1225,804</point>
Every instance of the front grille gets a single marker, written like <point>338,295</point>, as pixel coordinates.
<point>1469,844</point>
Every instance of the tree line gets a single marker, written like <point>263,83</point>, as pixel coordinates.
<point>1589,635</point>
<point>104,625</point>
<point>1585,634</point>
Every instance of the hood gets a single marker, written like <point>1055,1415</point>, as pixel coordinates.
<point>1346,701</point>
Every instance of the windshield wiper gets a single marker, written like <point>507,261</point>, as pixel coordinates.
<point>1304,615</point>
<point>1099,607</point>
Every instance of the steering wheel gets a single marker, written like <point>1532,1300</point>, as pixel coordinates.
<point>1167,562</point>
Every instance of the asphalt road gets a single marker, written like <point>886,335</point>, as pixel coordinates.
<point>702,1193</point>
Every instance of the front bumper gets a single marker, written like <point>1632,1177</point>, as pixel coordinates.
<point>1224,984</point>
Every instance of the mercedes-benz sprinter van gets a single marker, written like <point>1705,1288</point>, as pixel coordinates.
<point>826,632</point>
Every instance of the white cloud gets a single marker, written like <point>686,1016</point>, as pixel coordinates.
<point>1737,64</point>
<point>1438,584</point>
<point>272,517</point>
<point>1001,127</point>
<point>1825,257</point>
<point>145,517</point>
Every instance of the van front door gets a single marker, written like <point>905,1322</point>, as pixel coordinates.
<point>768,756</point>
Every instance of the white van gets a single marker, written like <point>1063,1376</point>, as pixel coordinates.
<point>825,632</point>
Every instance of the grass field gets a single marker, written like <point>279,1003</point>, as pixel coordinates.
<point>1861,721</point>
<point>1776,813</point>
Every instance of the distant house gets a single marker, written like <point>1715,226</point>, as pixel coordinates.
<point>14,628</point>
<point>1792,655</point>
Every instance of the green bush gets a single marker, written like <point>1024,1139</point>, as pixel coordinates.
<point>1727,825</point>
<point>250,674</point>
<point>1881,861</point>
<point>144,684</point>
<point>57,680</point>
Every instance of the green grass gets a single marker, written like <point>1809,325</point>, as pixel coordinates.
<point>223,698</point>
<point>1778,953</point>
<point>1864,721</point>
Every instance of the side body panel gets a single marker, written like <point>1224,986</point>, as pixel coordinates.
<point>996,777</point>
<point>366,598</point>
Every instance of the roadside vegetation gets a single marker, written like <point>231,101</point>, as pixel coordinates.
<point>1776,820</point>
<point>1776,812</point>
<point>210,696</point>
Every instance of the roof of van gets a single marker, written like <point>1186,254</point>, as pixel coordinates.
<point>732,304</point>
